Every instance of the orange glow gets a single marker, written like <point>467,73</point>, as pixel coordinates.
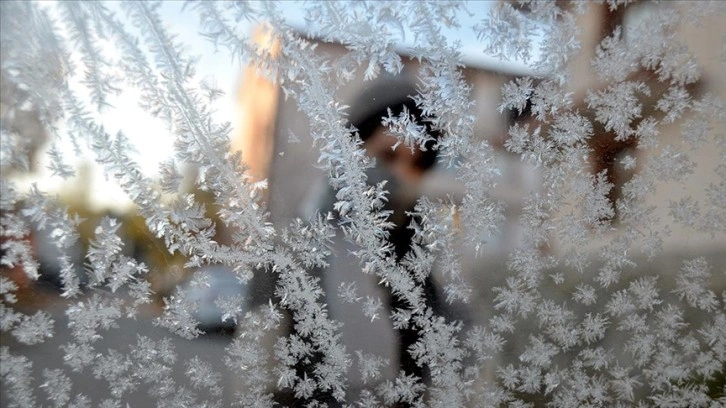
<point>257,97</point>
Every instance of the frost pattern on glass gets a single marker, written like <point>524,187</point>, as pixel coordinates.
<point>594,306</point>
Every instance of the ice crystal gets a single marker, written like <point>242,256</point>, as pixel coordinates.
<point>572,255</point>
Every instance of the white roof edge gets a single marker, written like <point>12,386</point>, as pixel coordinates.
<point>470,60</point>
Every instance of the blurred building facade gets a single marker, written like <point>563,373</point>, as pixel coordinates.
<point>293,174</point>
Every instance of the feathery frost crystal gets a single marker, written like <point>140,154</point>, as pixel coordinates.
<point>577,245</point>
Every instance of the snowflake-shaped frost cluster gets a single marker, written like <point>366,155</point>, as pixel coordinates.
<point>598,280</point>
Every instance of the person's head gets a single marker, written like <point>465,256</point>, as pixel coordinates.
<point>367,114</point>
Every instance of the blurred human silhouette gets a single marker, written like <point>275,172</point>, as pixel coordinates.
<point>404,171</point>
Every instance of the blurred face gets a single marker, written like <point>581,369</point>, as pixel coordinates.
<point>400,162</point>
